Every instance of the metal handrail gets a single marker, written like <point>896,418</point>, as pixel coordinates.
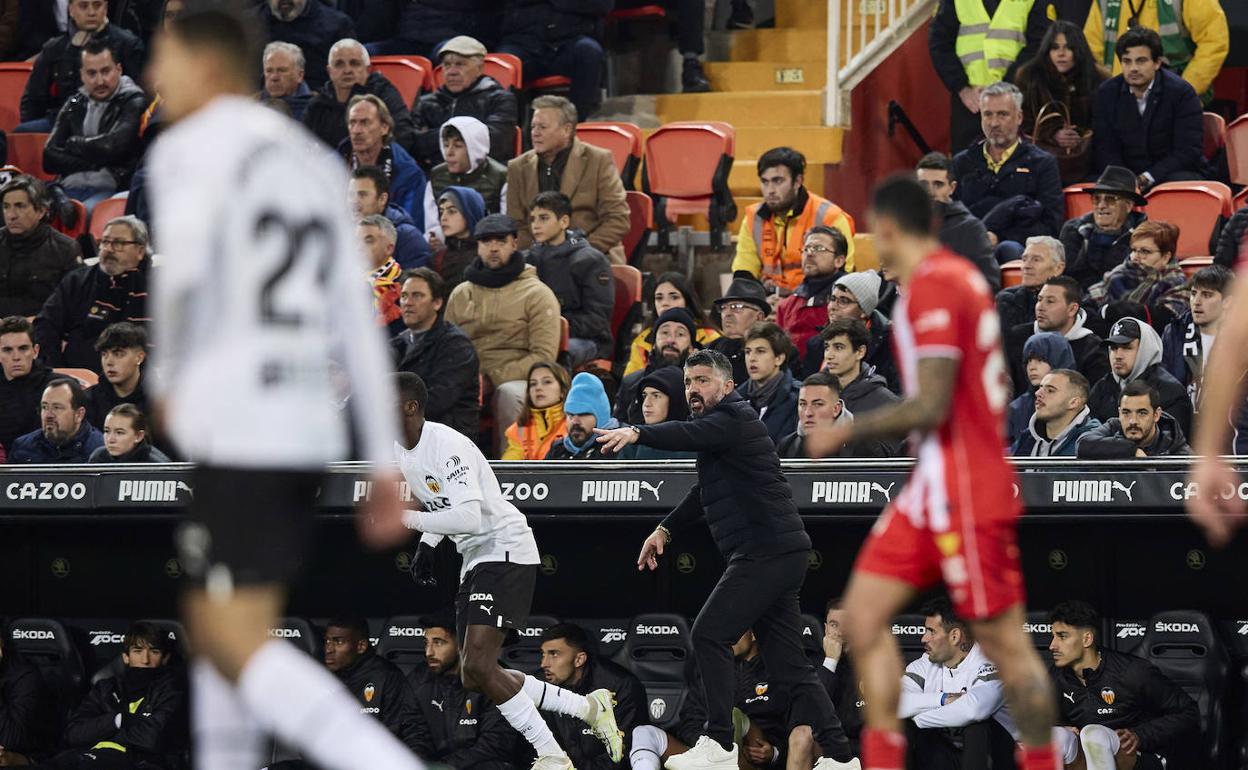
<point>890,20</point>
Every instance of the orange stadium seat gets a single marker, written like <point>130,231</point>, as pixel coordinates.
<point>26,152</point>
<point>1078,200</point>
<point>685,171</point>
<point>624,140</point>
<point>1215,133</point>
<point>13,77</point>
<point>865,256</point>
<point>503,67</point>
<point>106,210</point>
<point>564,336</point>
<point>627,295</point>
<point>1237,149</point>
<point>640,223</point>
<point>1241,199</point>
<point>1012,273</point>
<point>1192,264</point>
<point>407,75</point>
<point>1194,207</point>
<point>551,84</point>
<point>80,225</point>
<point>85,377</point>
<point>642,13</point>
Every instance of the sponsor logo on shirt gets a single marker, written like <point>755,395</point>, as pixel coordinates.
<point>1090,490</point>
<point>617,490</point>
<point>851,492</point>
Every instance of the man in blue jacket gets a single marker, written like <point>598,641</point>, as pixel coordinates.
<point>65,436</point>
<point>1060,418</point>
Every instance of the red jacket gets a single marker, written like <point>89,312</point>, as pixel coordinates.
<point>804,312</point>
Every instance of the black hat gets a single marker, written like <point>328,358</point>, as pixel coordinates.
<point>681,316</point>
<point>1122,332</point>
<point>746,290</point>
<point>495,226</point>
<point>1120,181</point>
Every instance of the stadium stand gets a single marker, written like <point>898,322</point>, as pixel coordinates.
<point>640,225</point>
<point>26,152</point>
<point>1194,207</point>
<point>686,171</point>
<point>13,77</point>
<point>408,74</point>
<point>104,212</point>
<point>624,140</point>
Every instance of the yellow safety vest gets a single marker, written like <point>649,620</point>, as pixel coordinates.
<point>987,47</point>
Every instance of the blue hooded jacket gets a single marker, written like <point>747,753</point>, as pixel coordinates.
<point>1046,346</point>
<point>410,247</point>
<point>471,204</point>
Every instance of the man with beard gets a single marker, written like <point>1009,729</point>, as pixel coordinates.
<point>1061,417</point>
<point>675,333</point>
<point>585,408</point>
<point>1058,309</point>
<point>1141,429</point>
<point>311,25</point>
<point>1135,354</point>
<point>803,312</point>
<point>743,305</point>
<point>66,436</point>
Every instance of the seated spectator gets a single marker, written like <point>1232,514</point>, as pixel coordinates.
<point>284,87</point>
<point>838,675</point>
<point>466,91</point>
<point>1058,86</point>
<point>349,77</point>
<point>584,173</point>
<point>33,256</point>
<point>1135,355</point>
<point>844,356</point>
<point>1187,340</point>
<point>377,236</point>
<point>511,317</point>
<point>459,211</point>
<point>661,398</point>
<point>670,290</point>
<point>65,436</point>
<point>770,388</point>
<point>542,425</point>
<point>773,231</point>
<point>1148,119</point>
<point>553,37</point>
<point>123,349</point>
<point>465,143</point>
<point>1042,353</point>
<point>820,406</point>
<point>959,229</point>
<point>585,409</point>
<point>570,660</point>
<point>855,298</point>
<point>1150,275</point>
<point>56,75</point>
<point>1141,429</point>
<point>1043,258</point>
<point>423,25</point>
<point>313,26</point>
<point>1099,241</point>
<point>376,683</point>
<point>24,708</point>
<point>125,438</point>
<point>25,377</point>
<point>439,352</point>
<point>1150,716</point>
<point>370,142</point>
<point>1231,241</point>
<point>368,194</point>
<point>94,145</point>
<point>743,305</point>
<point>803,313</point>
<point>1059,419</point>
<point>1058,310</point>
<point>674,340</point>
<point>1010,184</point>
<point>578,274</point>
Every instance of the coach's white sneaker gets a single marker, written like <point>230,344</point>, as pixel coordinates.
<point>706,754</point>
<point>601,718</point>
<point>552,762</point>
<point>828,763</point>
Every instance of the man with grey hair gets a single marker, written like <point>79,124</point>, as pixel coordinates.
<point>466,91</point>
<point>377,237</point>
<point>1043,258</point>
<point>1010,184</point>
<point>349,77</point>
<point>370,142</point>
<point>93,297</point>
<point>33,256</point>
<point>311,25</point>
<point>284,86</point>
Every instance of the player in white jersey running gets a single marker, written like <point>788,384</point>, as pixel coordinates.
<point>460,499</point>
<point>261,287</point>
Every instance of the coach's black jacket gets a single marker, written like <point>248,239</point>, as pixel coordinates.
<point>152,704</point>
<point>741,491</point>
<point>385,695</point>
<point>1129,693</point>
<point>586,751</point>
<point>467,729</point>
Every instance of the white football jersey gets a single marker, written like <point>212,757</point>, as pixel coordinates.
<point>260,287</point>
<point>452,480</point>
<point>975,680</point>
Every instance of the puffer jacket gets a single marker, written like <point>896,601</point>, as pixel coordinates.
<point>586,751</point>
<point>580,277</point>
<point>31,265</point>
<point>384,694</point>
<point>116,146</point>
<point>153,707</point>
<point>56,74</point>
<point>467,729</point>
<point>34,448</point>
<point>485,100</point>
<point>1108,443</point>
<point>1091,254</point>
<point>533,441</point>
<point>326,117</point>
<point>446,360</point>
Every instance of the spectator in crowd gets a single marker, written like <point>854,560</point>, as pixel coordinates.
<point>674,338</point>
<point>1058,86</point>
<point>313,26</point>
<point>584,173</point>
<point>1195,42</point>
<point>844,356</point>
<point>578,274</point>
<point>376,683</point>
<point>1042,353</point>
<point>65,435</point>
<point>855,298</point>
<point>743,305</point>
<point>555,37</point>
<point>327,112</point>
<point>1043,258</point>
<point>439,352</point>
<point>950,688</point>
<point>770,388</point>
<point>1231,240</point>
<point>974,47</point>
<point>1099,241</point>
<point>25,377</point>
<point>1012,185</point>
<point>377,236</point>
<point>466,163</point>
<point>670,290</point>
<point>1058,310</point>
<point>1141,429</point>
<point>284,86</point>
<point>136,719</point>
<point>838,675</point>
<point>37,23</point>
<point>661,398</point>
<point>370,142</point>
<point>1150,275</point>
<point>466,92</point>
<point>459,211</point>
<point>542,424</point>
<point>570,660</point>
<point>690,31</point>
<point>33,256</point>
<point>803,313</point>
<point>24,709</point>
<point>773,231</point>
<point>126,438</point>
<point>1061,416</point>
<point>511,317</point>
<point>585,408</point>
<point>1135,355</point>
<point>466,728</point>
<point>959,229</point>
<point>368,194</point>
<point>1150,715</point>
<point>123,349</point>
<point>1187,340</point>
<point>423,25</point>
<point>56,75</point>
<point>1148,119</point>
<point>820,406</point>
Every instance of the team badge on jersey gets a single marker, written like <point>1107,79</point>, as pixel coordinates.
<point>369,692</point>
<point>760,688</point>
<point>433,484</point>
<point>1107,695</point>
<point>468,707</point>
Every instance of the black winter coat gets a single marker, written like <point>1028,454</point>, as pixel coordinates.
<point>734,351</point>
<point>779,411</point>
<point>741,491</point>
<point>1166,141</point>
<point>1103,400</point>
<point>1088,257</point>
<point>962,232</point>
<point>580,277</point>
<point>86,301</point>
<point>446,360</point>
<point>24,707</point>
<point>553,21</point>
<point>56,73</point>
<point>385,695</point>
<point>19,404</point>
<point>586,751</point>
<point>868,392</point>
<point>1107,442</point>
<point>116,148</point>
<point>102,397</point>
<point>485,100</point>
<point>1232,240</point>
<point>315,31</point>
<point>879,351</point>
<point>326,117</point>
<point>466,728</point>
<point>155,732</point>
<point>430,22</point>
<point>31,265</point>
<point>1028,190</point>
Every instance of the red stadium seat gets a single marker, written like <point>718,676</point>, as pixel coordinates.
<point>105,211</point>
<point>627,295</point>
<point>1241,199</point>
<point>1215,133</point>
<point>408,76</point>
<point>624,140</point>
<point>1237,149</point>
<point>13,77</point>
<point>1078,200</point>
<point>642,13</point>
<point>640,223</point>
<point>85,377</point>
<point>1192,264</point>
<point>686,170</point>
<point>550,83</point>
<point>1012,273</point>
<point>1194,207</point>
<point>80,221</point>
<point>26,152</point>
<point>503,67</point>
<point>564,336</point>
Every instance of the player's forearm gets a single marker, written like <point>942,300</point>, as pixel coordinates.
<point>912,703</point>
<point>462,519</point>
<point>895,422</point>
<point>1222,383</point>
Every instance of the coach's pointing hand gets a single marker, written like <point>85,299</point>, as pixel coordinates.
<point>651,550</point>
<point>615,439</point>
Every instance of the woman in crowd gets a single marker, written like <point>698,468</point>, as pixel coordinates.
<point>125,438</point>
<point>1150,275</point>
<point>661,396</point>
<point>542,423</point>
<point>459,210</point>
<point>671,290</point>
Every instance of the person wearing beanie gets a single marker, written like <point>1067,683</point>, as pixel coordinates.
<point>856,296</point>
<point>823,262</point>
<point>673,339</point>
<point>1042,353</point>
<point>661,398</point>
<point>459,210</point>
<point>532,436</point>
<point>671,289</point>
<point>743,305</point>
<point>585,408</point>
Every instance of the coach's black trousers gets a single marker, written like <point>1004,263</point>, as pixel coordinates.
<point>761,593</point>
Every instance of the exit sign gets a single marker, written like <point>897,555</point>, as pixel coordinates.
<point>790,75</point>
